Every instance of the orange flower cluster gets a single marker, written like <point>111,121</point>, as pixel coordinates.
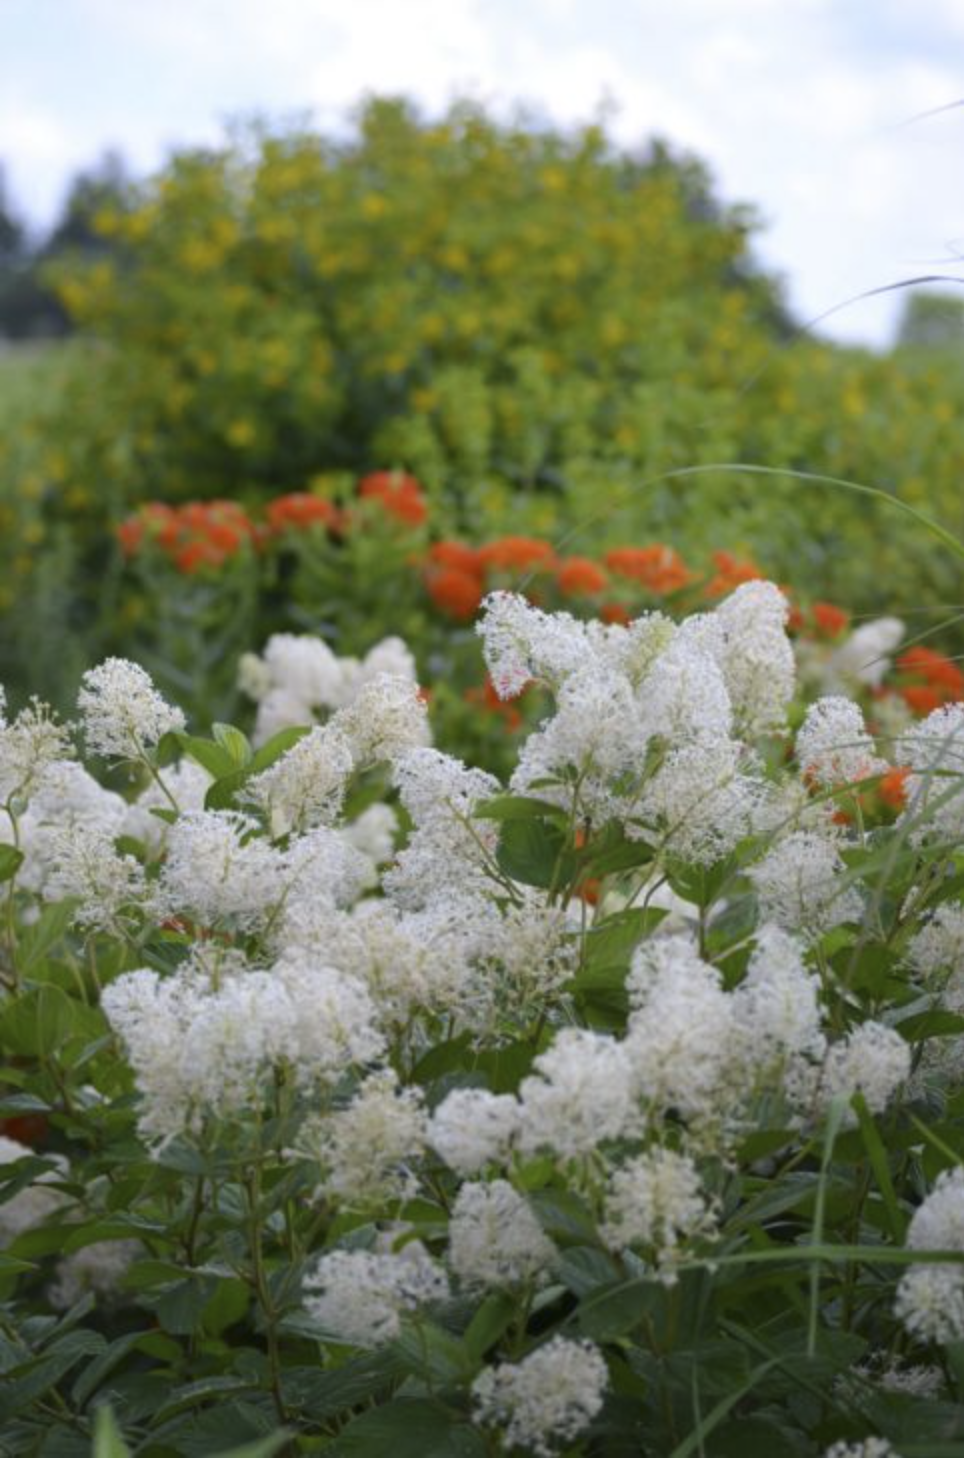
<point>731,573</point>
<point>399,495</point>
<point>658,569</point>
<point>194,536</point>
<point>203,536</point>
<point>928,680</point>
<point>458,576</point>
<point>300,510</point>
<point>207,534</point>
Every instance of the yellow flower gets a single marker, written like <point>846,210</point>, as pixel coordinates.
<point>240,433</point>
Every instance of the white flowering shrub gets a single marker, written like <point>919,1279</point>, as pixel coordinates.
<point>358,1102</point>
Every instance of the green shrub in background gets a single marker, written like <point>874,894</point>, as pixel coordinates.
<point>536,324</point>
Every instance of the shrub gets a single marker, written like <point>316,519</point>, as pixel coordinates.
<point>376,1102</point>
<point>535,324</point>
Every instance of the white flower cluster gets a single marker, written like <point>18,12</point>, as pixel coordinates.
<point>472,1128</point>
<point>37,1201</point>
<point>307,785</point>
<point>494,1238</point>
<point>934,751</point>
<point>361,1296</point>
<point>122,713</point>
<point>545,1401</point>
<point>657,1201</point>
<point>366,1149</point>
<point>97,1268</point>
<point>867,1448</point>
<point>801,884</point>
<point>861,661</point>
<point>930,1298</point>
<point>652,721</point>
<point>299,678</point>
<point>939,945</point>
<point>201,1052</point>
<point>28,747</point>
<point>833,746</point>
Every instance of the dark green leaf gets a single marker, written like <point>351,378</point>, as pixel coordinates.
<point>408,1428</point>
<point>536,852</point>
<point>11,859</point>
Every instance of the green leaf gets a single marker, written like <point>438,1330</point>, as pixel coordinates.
<point>835,1118</point>
<point>518,807</point>
<point>228,1305</point>
<point>564,1215</point>
<point>695,1442</point>
<point>220,795</point>
<point>490,1322</point>
<point>536,852</point>
<point>437,1354</point>
<point>260,1448</point>
<point>234,743</point>
<point>935,1024</point>
<point>613,851</point>
<point>39,1375</point>
<point>179,1309</point>
<point>877,1155</point>
<point>408,1428</point>
<point>193,1394</point>
<point>613,942</point>
<point>108,1442</point>
<point>208,754</point>
<point>11,859</point>
<point>325,1394</point>
<point>41,1022</point>
<point>614,1311</point>
<point>276,746</point>
<point>583,1268</point>
<point>101,1367</point>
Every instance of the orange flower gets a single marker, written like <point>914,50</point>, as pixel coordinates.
<point>301,510</point>
<point>580,577</point>
<point>614,612</point>
<point>939,672</point>
<point>455,554</point>
<point>130,535</point>
<point>398,494</point>
<point>657,568</point>
<point>29,1129</point>
<point>486,698</point>
<point>830,621</point>
<point>161,522</point>
<point>454,592</point>
<point>190,558</point>
<point>892,788</point>
<point>922,698</point>
<point>516,554</point>
<point>731,573</point>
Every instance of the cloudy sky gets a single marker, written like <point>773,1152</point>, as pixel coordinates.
<point>810,109</point>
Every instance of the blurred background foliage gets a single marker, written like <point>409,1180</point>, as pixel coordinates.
<point>537,325</point>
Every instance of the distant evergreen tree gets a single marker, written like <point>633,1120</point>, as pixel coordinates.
<point>29,309</point>
<point>102,187</point>
<point>12,230</point>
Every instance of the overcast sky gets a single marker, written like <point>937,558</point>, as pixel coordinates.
<point>802,107</point>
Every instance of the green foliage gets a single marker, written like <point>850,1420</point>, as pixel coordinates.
<point>539,325</point>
